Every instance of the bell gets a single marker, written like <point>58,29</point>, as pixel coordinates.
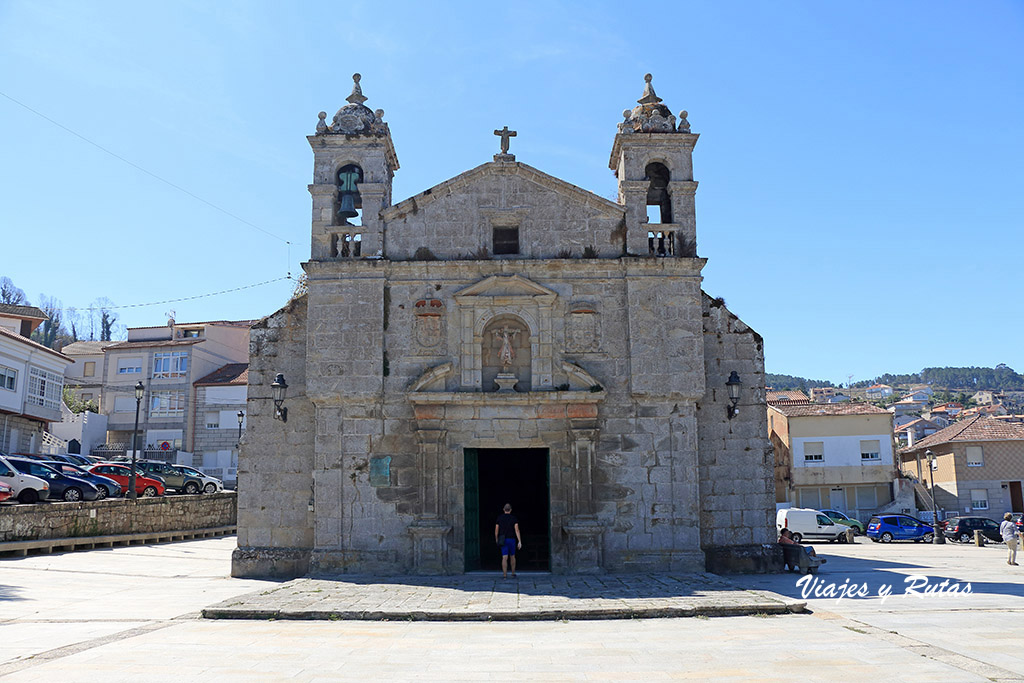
<point>348,207</point>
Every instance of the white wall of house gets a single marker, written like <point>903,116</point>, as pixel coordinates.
<point>843,451</point>
<point>233,395</point>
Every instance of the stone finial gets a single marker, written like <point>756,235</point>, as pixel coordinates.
<point>684,125</point>
<point>357,92</point>
<point>649,96</point>
<point>321,125</point>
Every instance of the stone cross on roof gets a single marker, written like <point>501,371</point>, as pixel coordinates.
<point>505,134</point>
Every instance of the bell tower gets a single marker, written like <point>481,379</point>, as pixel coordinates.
<point>354,162</point>
<point>652,157</point>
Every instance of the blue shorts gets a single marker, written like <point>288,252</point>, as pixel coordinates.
<point>509,547</point>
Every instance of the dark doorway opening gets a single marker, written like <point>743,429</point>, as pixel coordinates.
<point>1016,497</point>
<point>519,476</point>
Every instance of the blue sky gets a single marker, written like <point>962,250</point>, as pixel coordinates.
<point>861,165</point>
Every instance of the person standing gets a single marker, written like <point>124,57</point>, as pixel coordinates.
<point>1008,530</point>
<point>506,535</point>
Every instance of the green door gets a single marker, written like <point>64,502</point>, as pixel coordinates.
<point>472,495</point>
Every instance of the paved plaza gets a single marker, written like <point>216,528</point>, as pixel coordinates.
<point>134,613</point>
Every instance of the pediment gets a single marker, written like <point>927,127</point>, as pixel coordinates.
<point>505,289</point>
<point>463,183</point>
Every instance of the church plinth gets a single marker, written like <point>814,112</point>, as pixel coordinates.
<point>584,552</point>
<point>430,546</point>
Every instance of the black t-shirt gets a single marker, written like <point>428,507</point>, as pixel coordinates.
<point>507,525</point>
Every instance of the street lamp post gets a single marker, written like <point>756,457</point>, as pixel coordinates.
<point>937,536</point>
<point>241,419</point>
<point>140,389</point>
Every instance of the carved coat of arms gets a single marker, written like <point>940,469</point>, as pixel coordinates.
<point>428,325</point>
<point>582,332</point>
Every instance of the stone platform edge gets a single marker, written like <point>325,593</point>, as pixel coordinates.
<point>766,606</point>
<point>49,545</point>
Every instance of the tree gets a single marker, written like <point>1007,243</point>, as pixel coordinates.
<point>48,333</point>
<point>10,294</point>
<point>75,404</point>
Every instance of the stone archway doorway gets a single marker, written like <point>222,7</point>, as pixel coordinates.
<point>493,477</point>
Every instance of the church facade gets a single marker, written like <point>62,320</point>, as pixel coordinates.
<point>504,337</point>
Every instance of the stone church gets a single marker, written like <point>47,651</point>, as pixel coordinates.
<point>504,337</point>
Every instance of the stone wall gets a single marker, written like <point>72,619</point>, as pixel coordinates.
<point>454,220</point>
<point>275,464</point>
<point>116,516</point>
<point>26,429</point>
<point>736,459</point>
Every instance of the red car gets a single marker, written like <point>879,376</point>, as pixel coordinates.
<point>5,492</point>
<point>144,486</point>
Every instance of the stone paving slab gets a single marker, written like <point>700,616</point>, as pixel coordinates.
<point>486,597</point>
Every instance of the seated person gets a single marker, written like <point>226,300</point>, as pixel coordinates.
<point>786,539</point>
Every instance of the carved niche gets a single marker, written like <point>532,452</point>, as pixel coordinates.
<point>428,327</point>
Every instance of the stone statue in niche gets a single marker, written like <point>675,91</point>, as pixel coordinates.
<point>428,325</point>
<point>582,334</point>
<point>507,354</point>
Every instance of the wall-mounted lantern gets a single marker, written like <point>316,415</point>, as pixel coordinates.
<point>279,388</point>
<point>733,384</point>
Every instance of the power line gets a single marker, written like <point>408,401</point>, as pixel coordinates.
<point>147,172</point>
<point>174,301</point>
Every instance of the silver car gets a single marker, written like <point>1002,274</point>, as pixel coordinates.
<point>210,484</point>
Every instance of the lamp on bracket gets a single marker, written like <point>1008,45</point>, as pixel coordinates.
<point>279,389</point>
<point>733,384</point>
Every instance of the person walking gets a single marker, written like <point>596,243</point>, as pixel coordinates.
<point>1008,530</point>
<point>506,535</point>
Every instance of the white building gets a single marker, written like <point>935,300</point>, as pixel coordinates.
<point>31,381</point>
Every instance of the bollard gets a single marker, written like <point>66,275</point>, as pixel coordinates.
<point>979,540</point>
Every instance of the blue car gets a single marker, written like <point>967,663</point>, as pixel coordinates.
<point>62,487</point>
<point>107,486</point>
<point>888,528</point>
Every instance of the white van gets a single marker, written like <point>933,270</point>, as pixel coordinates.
<point>810,525</point>
<point>27,489</point>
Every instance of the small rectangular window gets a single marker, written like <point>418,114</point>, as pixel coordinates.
<point>8,378</point>
<point>90,369</point>
<point>979,499</point>
<point>814,451</point>
<point>975,456</point>
<point>129,366</point>
<point>870,450</point>
<point>213,420</point>
<point>506,240</point>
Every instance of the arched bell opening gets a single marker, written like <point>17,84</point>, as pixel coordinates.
<point>659,203</point>
<point>348,204</point>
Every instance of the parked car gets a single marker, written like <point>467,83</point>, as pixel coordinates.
<point>839,518</point>
<point>962,529</point>
<point>76,459</point>
<point>807,524</point>
<point>144,485</point>
<point>210,484</point>
<point>107,487</point>
<point>27,489</point>
<point>5,491</point>
<point>173,478</point>
<point>62,487</point>
<point>888,528</point>
<point>1018,519</point>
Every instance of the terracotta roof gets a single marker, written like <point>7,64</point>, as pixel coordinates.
<point>230,374</point>
<point>788,396</point>
<point>978,428</point>
<point>230,323</point>
<point>19,311</point>
<point>85,347</point>
<point>34,344</point>
<point>156,342</point>
<point>816,409</point>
